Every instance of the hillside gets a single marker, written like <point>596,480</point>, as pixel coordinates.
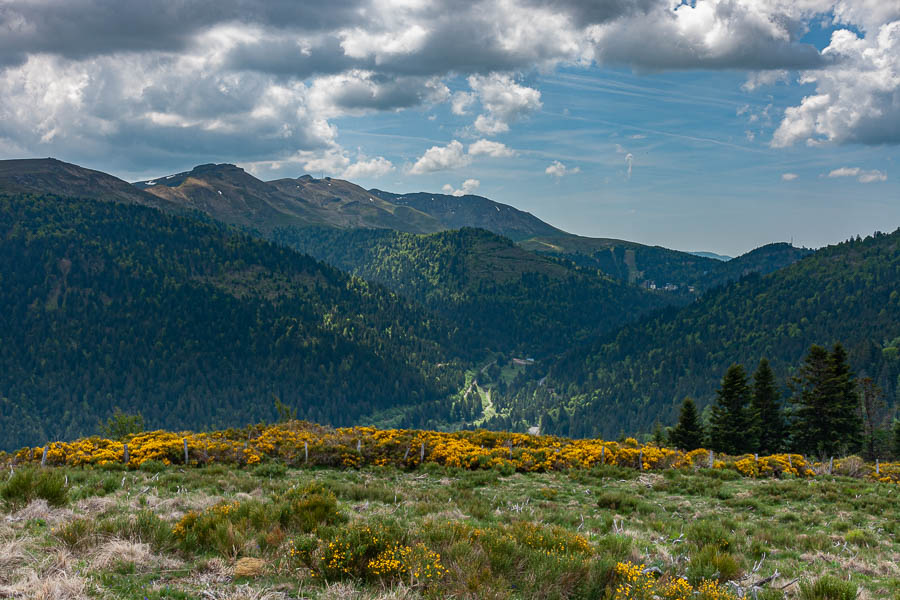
<point>629,261</point>
<point>685,274</point>
<point>763,260</point>
<point>360,513</point>
<point>345,204</point>
<point>628,379</point>
<point>106,305</point>
<point>500,295</point>
<point>455,212</point>
<point>51,176</point>
<point>229,194</point>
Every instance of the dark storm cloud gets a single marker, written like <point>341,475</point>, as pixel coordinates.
<point>284,55</point>
<point>83,28</point>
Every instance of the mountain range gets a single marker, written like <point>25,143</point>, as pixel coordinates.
<point>198,298</point>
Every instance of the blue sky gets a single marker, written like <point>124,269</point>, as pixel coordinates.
<point>716,125</point>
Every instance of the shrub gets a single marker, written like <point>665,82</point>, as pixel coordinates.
<point>712,563</point>
<point>26,485</point>
<point>272,470</point>
<point>827,588</point>
<point>708,532</point>
<point>77,534</point>
<point>152,466</point>
<point>307,508</point>
<point>620,502</point>
<point>858,537</point>
<point>121,424</point>
<point>145,528</point>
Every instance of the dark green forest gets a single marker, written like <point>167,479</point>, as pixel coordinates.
<point>642,265</point>
<point>106,305</point>
<point>505,298</point>
<point>627,380</point>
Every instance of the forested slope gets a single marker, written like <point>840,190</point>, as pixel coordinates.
<point>848,293</point>
<point>503,297</point>
<point>106,305</point>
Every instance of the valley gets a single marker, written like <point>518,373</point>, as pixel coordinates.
<point>412,291</point>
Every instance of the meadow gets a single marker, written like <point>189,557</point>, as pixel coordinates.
<point>298,511</point>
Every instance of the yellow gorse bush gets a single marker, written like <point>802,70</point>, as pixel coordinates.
<point>299,443</point>
<point>636,583</point>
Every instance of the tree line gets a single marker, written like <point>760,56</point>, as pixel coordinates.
<point>830,412</point>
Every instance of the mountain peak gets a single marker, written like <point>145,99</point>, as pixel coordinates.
<point>59,178</point>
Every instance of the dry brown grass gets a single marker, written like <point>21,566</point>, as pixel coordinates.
<point>348,591</point>
<point>12,557</point>
<point>39,509</point>
<point>114,552</point>
<point>249,567</point>
<point>96,505</point>
<point>57,585</point>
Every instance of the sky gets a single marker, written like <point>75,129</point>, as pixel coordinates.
<point>715,125</point>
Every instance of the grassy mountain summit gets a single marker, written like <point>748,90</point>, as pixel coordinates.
<point>108,305</point>
<point>628,379</point>
<point>455,212</point>
<point>52,176</point>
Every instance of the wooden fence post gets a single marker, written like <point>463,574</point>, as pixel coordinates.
<point>641,460</point>
<point>602,455</point>
<point>125,453</point>
<point>877,467</point>
<point>712,459</point>
<point>422,453</point>
<point>185,450</point>
<point>44,456</point>
<point>306,452</point>
<point>831,466</point>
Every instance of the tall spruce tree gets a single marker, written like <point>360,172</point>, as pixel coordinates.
<point>846,418</point>
<point>809,401</point>
<point>729,429</point>
<point>769,429</point>
<point>688,433</point>
<point>827,419</point>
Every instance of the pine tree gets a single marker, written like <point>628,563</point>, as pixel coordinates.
<point>688,433</point>
<point>827,419</point>
<point>768,426</point>
<point>809,401</point>
<point>729,425</point>
<point>845,416</point>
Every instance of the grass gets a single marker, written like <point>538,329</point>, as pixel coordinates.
<point>273,532</point>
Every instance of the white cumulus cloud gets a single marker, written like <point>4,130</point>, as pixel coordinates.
<point>372,167</point>
<point>789,176</point>
<point>490,148</point>
<point>468,186</point>
<point>503,100</point>
<point>441,158</point>
<point>857,99</point>
<point>557,169</point>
